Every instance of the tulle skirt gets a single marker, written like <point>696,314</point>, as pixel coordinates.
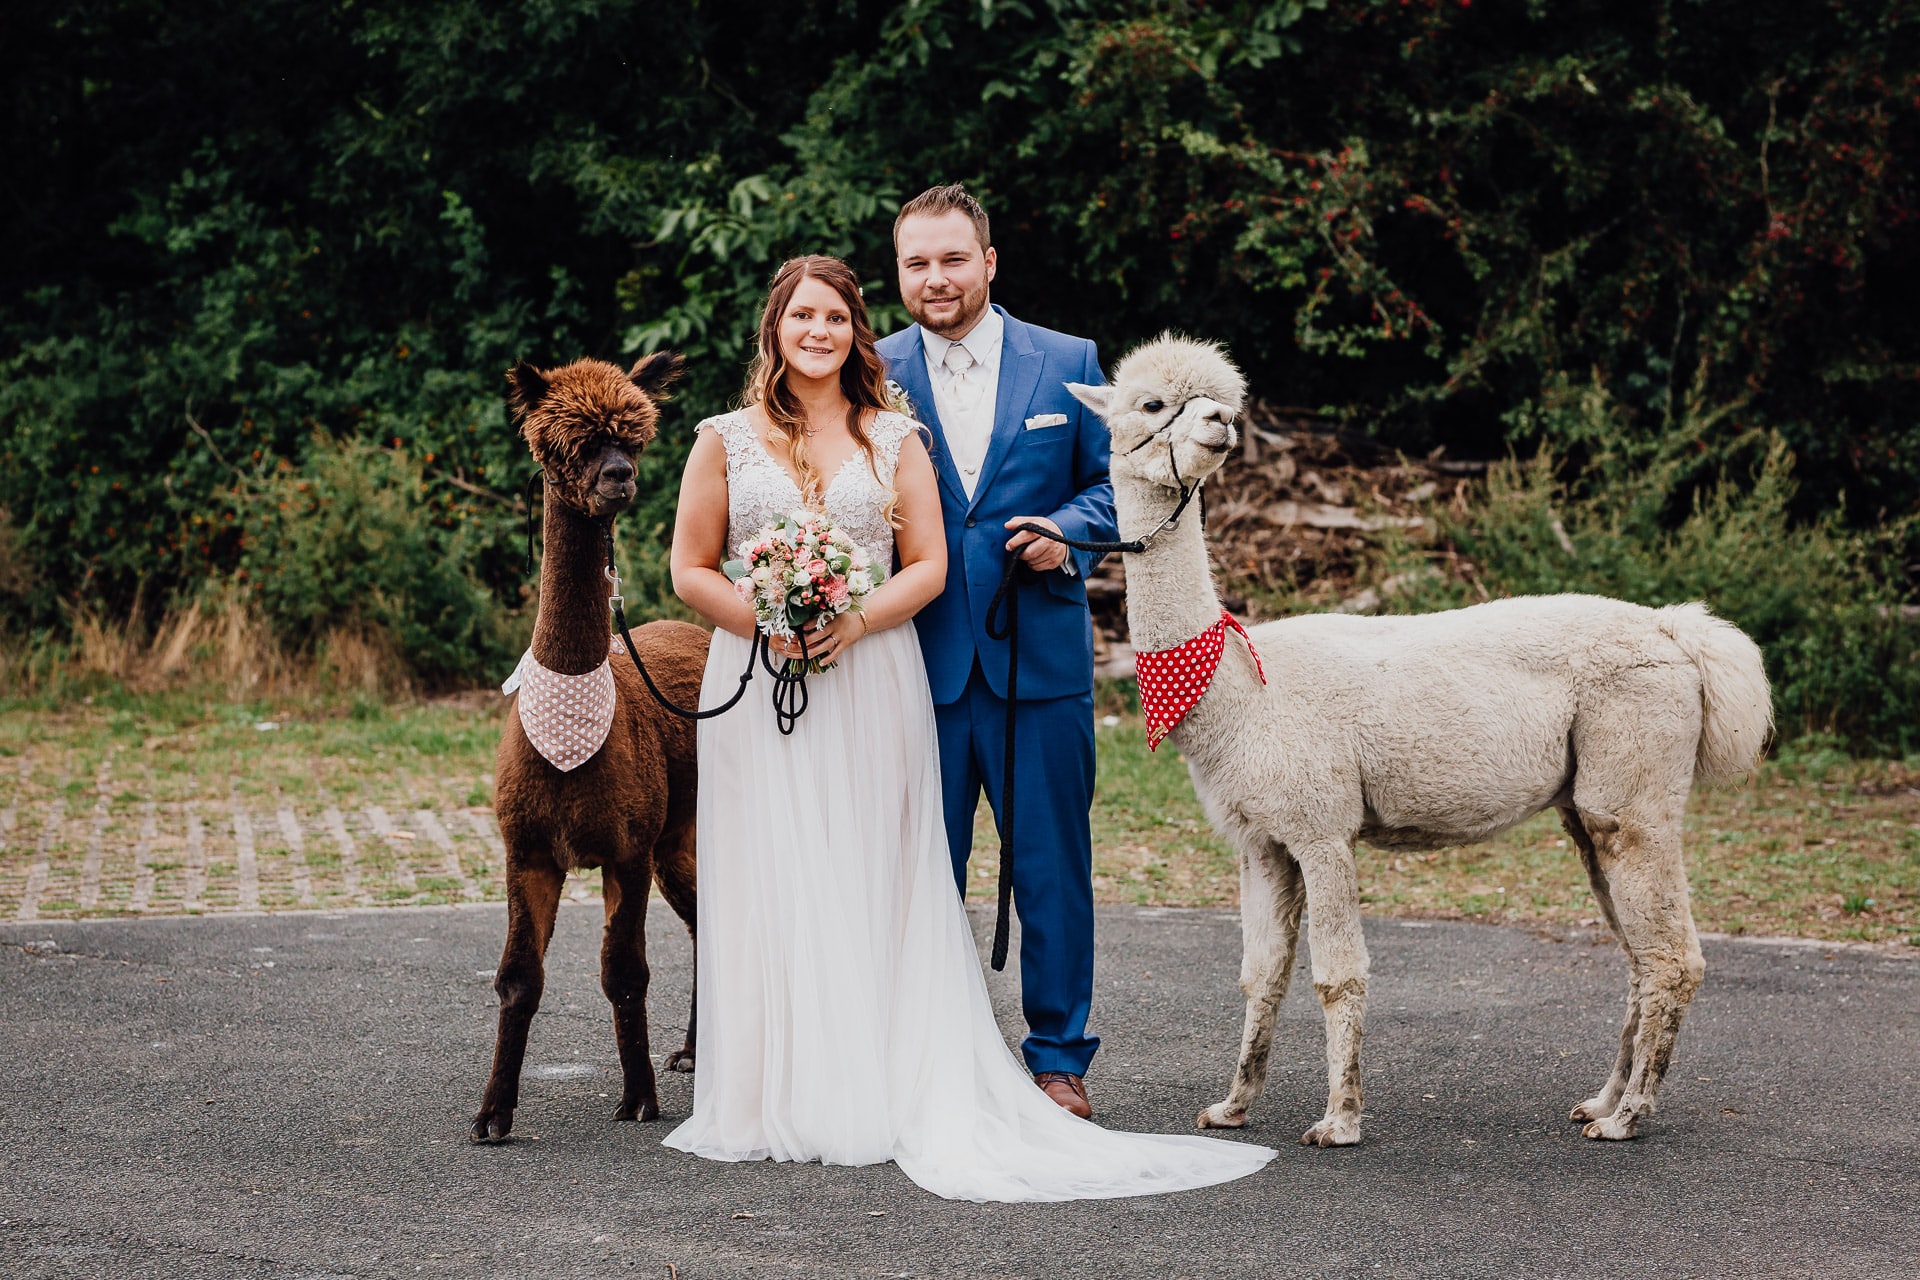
<point>843,1014</point>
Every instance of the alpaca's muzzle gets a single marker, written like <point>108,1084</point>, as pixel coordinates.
<point>1214,429</point>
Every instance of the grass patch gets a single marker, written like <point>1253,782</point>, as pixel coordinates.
<point>1816,845</point>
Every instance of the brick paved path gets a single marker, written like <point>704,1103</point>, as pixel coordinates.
<point>112,845</point>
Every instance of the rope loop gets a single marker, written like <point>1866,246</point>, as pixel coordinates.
<point>789,683</point>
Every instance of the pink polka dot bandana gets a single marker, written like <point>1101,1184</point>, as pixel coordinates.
<point>1173,680</point>
<point>566,717</point>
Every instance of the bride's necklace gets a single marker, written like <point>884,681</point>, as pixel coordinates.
<point>809,430</point>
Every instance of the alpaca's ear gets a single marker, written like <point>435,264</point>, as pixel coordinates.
<point>526,388</point>
<point>1098,399</point>
<point>655,373</point>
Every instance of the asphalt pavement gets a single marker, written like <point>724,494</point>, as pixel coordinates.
<point>287,1096</point>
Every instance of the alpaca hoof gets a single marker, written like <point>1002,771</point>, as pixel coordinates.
<point>647,1110</point>
<point>1221,1116</point>
<point>681,1060</point>
<point>491,1127</point>
<point>1611,1129</point>
<point>1591,1109</point>
<point>1331,1132</point>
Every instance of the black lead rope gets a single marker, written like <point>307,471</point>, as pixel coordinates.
<point>789,683</point>
<point>1009,596</point>
<point>618,604</point>
<point>789,679</point>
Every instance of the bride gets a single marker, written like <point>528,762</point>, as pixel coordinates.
<point>844,1017</point>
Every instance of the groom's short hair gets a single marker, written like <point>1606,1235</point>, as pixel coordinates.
<point>935,201</point>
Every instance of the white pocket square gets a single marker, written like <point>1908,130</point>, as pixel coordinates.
<point>1046,420</point>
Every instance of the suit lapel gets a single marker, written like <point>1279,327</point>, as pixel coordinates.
<point>919,389</point>
<point>1020,364</point>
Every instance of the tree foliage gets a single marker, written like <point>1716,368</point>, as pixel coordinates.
<point>241,228</point>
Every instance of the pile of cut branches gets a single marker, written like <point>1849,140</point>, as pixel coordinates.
<point>1294,521</point>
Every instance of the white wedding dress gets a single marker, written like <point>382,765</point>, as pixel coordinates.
<point>843,1014</point>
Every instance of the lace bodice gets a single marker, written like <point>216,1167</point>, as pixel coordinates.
<point>759,488</point>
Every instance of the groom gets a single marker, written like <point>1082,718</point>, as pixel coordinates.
<point>1011,446</point>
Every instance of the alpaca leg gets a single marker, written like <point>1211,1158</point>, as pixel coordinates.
<point>1339,952</point>
<point>1271,896</point>
<point>674,872</point>
<point>533,900</point>
<point>624,976</point>
<point>1634,771</point>
<point>1649,889</point>
<point>1603,1103</point>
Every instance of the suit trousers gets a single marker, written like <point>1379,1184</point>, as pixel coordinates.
<point>1052,850</point>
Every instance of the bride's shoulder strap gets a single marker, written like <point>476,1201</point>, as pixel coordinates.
<point>889,430</point>
<point>734,430</point>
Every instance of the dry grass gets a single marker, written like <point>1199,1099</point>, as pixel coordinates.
<point>219,641</point>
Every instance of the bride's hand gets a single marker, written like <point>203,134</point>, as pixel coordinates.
<point>824,645</point>
<point>839,636</point>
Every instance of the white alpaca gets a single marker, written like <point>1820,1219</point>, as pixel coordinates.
<point>1420,733</point>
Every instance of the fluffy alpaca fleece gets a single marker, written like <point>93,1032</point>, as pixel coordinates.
<point>628,807</point>
<point>1420,733</point>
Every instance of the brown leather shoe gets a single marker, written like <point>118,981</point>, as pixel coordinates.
<point>1066,1089</point>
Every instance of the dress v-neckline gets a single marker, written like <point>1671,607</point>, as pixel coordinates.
<point>792,480</point>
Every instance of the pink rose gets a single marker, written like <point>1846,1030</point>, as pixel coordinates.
<point>818,569</point>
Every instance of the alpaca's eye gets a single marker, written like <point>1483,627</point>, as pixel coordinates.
<point>1153,406</point>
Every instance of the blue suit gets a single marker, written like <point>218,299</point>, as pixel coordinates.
<point>1058,471</point>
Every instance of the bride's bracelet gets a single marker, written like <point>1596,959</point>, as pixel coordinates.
<point>865,626</point>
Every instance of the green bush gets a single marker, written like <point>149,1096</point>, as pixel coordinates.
<point>1639,524</point>
<point>237,226</point>
<point>349,541</point>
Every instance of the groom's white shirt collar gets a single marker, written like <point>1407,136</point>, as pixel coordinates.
<point>982,342</point>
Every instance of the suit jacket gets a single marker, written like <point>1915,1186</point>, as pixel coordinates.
<point>1057,471</point>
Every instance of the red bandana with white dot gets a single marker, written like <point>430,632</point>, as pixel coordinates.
<point>1173,680</point>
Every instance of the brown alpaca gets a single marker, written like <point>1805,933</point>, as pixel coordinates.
<point>629,809</point>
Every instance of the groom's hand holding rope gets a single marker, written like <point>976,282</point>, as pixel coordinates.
<point>1040,553</point>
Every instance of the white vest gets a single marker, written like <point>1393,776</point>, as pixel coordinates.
<point>968,432</point>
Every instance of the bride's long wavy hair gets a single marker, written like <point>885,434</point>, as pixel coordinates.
<point>863,378</point>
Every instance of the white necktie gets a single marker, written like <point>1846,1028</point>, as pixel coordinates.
<point>964,387</point>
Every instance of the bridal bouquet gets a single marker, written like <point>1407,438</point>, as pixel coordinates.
<point>801,572</point>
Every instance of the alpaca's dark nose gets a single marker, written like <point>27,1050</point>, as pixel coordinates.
<point>613,486</point>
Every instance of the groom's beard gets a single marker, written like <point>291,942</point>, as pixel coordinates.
<point>956,323</point>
